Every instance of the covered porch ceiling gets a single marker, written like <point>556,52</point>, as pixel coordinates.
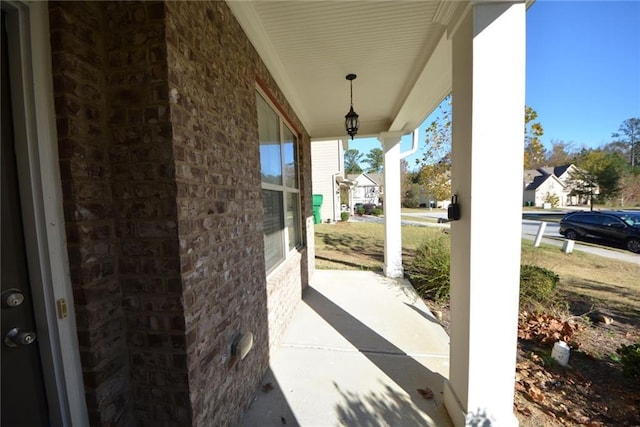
<point>398,49</point>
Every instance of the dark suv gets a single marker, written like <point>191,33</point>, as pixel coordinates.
<point>621,227</point>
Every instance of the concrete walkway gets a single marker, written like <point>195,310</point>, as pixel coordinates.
<point>359,348</point>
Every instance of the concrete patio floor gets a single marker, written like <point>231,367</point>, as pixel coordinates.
<point>357,350</point>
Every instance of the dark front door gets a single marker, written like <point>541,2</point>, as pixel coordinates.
<point>23,395</point>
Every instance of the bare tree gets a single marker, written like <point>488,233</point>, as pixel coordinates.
<point>561,153</point>
<point>629,134</point>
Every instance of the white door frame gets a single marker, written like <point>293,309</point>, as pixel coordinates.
<point>41,200</point>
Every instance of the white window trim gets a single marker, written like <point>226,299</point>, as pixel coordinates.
<point>284,123</point>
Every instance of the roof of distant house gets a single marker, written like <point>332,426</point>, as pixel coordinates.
<point>376,178</point>
<point>534,178</point>
<point>558,171</point>
<point>554,170</point>
<point>537,182</point>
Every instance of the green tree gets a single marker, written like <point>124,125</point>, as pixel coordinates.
<point>437,180</point>
<point>374,159</point>
<point>598,175</point>
<point>534,152</point>
<point>629,135</point>
<point>584,185</point>
<point>352,158</point>
<point>409,186</point>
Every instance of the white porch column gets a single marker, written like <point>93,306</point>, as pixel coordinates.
<point>392,227</point>
<point>488,133</point>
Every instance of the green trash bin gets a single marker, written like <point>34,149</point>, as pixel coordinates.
<point>317,204</point>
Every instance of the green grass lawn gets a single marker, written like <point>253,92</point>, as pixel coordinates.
<point>583,277</point>
<point>419,219</point>
<point>360,245</point>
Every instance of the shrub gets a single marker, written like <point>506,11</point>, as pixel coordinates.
<point>344,216</point>
<point>537,285</point>
<point>360,210</point>
<point>429,270</point>
<point>630,358</point>
<point>552,199</point>
<point>368,208</point>
<point>377,211</point>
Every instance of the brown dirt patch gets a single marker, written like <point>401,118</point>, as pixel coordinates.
<point>591,390</point>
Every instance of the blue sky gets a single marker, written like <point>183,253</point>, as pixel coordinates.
<point>583,71</point>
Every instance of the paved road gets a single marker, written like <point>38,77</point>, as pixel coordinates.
<point>552,236</point>
<point>530,229</point>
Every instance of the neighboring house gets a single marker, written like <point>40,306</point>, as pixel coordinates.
<point>542,188</point>
<point>429,201</point>
<point>368,189</point>
<point>327,175</point>
<point>567,175</point>
<point>542,184</point>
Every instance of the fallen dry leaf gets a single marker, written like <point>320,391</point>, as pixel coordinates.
<point>581,419</point>
<point>535,393</point>
<point>523,409</point>
<point>426,393</point>
<point>545,328</point>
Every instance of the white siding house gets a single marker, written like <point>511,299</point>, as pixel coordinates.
<point>542,189</point>
<point>368,189</point>
<point>542,183</point>
<point>327,164</point>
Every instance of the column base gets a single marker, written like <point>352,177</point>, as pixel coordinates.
<point>393,272</point>
<point>479,417</point>
<point>453,406</point>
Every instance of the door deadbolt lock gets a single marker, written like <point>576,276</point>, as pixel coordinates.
<point>12,298</point>
<point>16,338</point>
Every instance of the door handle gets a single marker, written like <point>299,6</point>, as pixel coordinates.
<point>16,338</point>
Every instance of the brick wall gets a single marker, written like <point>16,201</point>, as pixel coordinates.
<point>159,155</point>
<point>144,191</point>
<point>213,71</point>
<point>117,167</point>
<point>84,140</point>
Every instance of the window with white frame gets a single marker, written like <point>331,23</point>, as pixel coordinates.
<point>280,189</point>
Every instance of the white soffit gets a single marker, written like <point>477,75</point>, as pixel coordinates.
<point>396,48</point>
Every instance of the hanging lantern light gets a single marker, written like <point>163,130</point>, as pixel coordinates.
<point>351,121</point>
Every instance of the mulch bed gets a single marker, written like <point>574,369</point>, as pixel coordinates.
<point>591,390</point>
